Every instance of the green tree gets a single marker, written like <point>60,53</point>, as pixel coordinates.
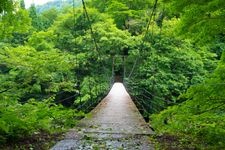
<point>202,19</point>
<point>130,15</point>
<point>200,118</point>
<point>48,17</point>
<point>15,27</point>
<point>6,6</point>
<point>36,23</point>
<point>22,4</point>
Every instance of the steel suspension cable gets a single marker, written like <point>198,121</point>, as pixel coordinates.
<point>93,35</point>
<point>151,16</point>
<point>143,38</point>
<point>90,26</point>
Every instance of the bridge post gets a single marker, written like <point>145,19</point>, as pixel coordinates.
<point>112,77</point>
<point>125,53</point>
<point>124,69</point>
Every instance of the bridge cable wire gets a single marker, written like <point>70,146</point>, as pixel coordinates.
<point>138,97</point>
<point>144,36</point>
<point>93,36</point>
<point>142,44</point>
<point>144,100</point>
<point>90,26</point>
<point>74,29</point>
<point>95,44</point>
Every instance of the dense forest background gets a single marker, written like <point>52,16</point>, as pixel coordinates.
<point>56,64</point>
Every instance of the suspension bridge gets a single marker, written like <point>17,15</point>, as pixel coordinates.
<point>115,123</point>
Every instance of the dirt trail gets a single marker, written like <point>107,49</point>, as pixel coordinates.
<point>114,124</point>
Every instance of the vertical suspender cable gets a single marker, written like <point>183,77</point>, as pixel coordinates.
<point>92,32</point>
<point>151,16</point>
<point>142,44</point>
<point>89,23</point>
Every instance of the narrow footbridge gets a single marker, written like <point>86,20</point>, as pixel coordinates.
<point>114,124</point>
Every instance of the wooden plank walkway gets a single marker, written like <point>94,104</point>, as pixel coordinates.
<point>114,124</point>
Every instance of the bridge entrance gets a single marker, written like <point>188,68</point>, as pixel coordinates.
<point>118,74</point>
<point>118,69</point>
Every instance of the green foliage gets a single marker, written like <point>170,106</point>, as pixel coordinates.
<point>31,72</point>
<point>169,68</point>
<point>91,88</point>
<point>199,120</point>
<point>21,120</point>
<point>54,53</point>
<point>12,24</point>
<point>112,40</point>
<point>44,20</point>
<point>48,17</point>
<point>130,15</point>
<point>200,20</point>
<point>6,6</point>
<point>22,4</point>
<point>42,40</point>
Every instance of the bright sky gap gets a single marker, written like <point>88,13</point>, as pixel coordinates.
<point>36,2</point>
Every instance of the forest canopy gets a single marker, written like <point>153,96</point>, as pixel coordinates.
<point>56,64</point>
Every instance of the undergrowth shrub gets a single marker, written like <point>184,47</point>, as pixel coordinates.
<point>201,118</point>
<point>22,120</point>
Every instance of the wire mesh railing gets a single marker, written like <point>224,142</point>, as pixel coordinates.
<point>149,102</point>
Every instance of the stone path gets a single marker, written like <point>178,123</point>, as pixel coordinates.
<point>114,124</point>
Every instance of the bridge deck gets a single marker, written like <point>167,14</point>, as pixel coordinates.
<point>116,123</point>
